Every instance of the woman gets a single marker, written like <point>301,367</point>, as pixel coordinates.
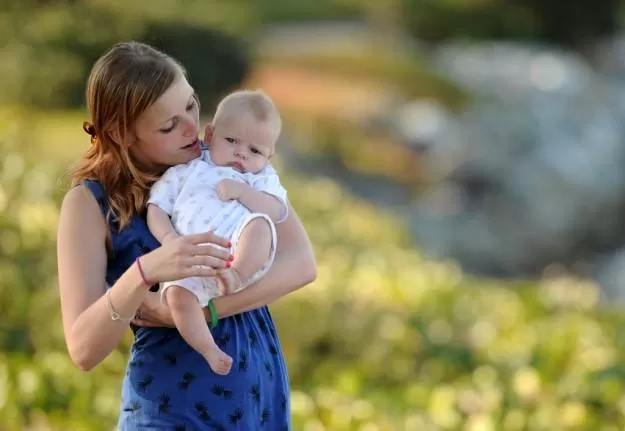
<point>144,119</point>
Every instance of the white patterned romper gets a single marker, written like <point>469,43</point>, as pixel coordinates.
<point>187,193</point>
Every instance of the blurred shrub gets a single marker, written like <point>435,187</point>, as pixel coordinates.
<point>576,25</point>
<point>215,61</point>
<point>276,11</point>
<point>49,49</point>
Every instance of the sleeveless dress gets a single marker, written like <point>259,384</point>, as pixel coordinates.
<point>169,386</point>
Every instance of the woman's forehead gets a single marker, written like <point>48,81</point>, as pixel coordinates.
<point>173,102</point>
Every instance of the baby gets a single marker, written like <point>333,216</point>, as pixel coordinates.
<point>234,191</point>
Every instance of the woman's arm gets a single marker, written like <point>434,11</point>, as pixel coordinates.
<point>293,267</point>
<point>90,333</point>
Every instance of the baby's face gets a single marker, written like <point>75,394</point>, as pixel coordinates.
<point>244,144</point>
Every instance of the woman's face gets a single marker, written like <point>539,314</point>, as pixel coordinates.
<point>167,132</point>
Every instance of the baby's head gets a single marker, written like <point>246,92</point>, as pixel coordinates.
<point>246,128</point>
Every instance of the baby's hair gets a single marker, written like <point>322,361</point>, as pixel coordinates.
<point>253,102</point>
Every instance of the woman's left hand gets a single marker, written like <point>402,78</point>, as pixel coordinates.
<point>152,313</point>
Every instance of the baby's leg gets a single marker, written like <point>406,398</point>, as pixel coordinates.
<point>191,323</point>
<point>253,250</point>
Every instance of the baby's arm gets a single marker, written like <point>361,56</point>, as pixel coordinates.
<point>265,194</point>
<point>161,204</point>
<point>255,200</point>
<point>261,202</point>
<point>160,224</point>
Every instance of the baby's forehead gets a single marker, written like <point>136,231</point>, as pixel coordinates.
<point>248,129</point>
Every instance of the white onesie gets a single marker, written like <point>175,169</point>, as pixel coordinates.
<point>187,193</point>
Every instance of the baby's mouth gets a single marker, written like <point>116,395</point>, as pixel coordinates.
<point>237,166</point>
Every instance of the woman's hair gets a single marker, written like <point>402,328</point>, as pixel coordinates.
<point>123,83</point>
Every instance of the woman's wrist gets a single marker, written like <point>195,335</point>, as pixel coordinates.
<point>148,282</point>
<point>122,301</point>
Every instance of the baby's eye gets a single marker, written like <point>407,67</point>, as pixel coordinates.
<point>231,140</point>
<point>255,151</point>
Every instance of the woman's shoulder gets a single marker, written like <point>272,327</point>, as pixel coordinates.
<point>82,196</point>
<point>86,197</point>
<point>80,210</point>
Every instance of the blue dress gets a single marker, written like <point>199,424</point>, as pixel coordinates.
<point>169,386</point>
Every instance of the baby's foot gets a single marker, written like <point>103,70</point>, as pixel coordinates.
<point>219,361</point>
<point>229,281</point>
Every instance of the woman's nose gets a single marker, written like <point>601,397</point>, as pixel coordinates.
<point>192,128</point>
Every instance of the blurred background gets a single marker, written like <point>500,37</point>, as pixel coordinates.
<point>458,165</point>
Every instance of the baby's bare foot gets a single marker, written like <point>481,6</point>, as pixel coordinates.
<point>219,361</point>
<point>229,281</point>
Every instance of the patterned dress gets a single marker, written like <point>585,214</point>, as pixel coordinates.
<point>169,386</point>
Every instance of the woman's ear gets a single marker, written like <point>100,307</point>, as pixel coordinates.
<point>115,136</point>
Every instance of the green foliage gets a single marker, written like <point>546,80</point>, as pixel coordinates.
<point>384,339</point>
<point>50,47</point>
<point>277,11</point>
<point>575,25</point>
<point>216,62</point>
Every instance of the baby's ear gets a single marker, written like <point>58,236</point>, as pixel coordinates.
<point>208,134</point>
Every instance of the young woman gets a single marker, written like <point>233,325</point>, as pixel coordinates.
<point>144,118</point>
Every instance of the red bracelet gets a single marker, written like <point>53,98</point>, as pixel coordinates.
<point>145,280</point>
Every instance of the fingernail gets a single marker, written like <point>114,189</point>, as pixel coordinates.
<point>227,264</point>
<point>231,258</point>
<point>229,244</point>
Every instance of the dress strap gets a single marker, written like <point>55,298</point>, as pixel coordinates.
<point>98,193</point>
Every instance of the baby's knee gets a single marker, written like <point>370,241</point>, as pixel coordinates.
<point>260,225</point>
<point>179,298</point>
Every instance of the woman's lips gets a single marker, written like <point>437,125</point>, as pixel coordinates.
<point>193,145</point>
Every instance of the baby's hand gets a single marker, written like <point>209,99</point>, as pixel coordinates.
<point>228,189</point>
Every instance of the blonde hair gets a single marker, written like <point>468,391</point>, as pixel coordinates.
<point>123,83</point>
<point>254,102</point>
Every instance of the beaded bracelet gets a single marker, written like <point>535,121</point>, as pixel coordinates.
<point>213,313</point>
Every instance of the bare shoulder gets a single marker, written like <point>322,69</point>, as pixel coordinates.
<point>80,210</point>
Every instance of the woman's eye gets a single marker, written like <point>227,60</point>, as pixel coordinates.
<point>169,129</point>
<point>191,105</point>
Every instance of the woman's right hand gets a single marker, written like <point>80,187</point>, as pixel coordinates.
<point>187,256</point>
